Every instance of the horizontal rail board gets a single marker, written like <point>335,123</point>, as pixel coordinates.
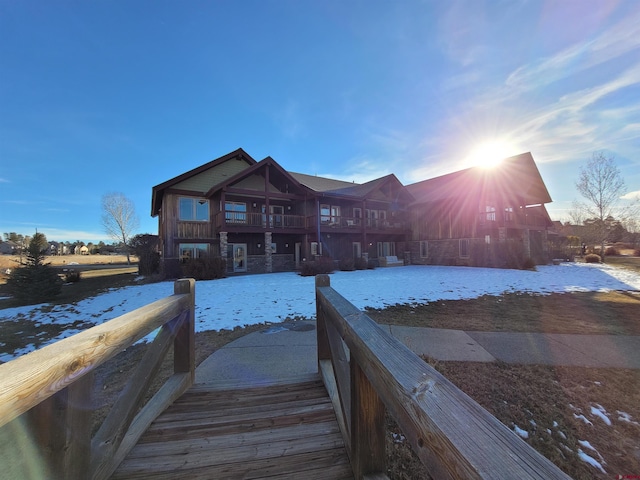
<point>34,377</point>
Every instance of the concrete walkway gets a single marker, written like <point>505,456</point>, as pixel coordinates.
<point>289,349</point>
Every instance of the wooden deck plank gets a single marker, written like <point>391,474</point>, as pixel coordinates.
<point>288,430</point>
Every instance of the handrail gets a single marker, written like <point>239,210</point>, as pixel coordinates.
<point>51,387</point>
<point>366,371</point>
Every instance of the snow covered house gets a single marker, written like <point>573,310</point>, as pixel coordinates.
<point>263,218</point>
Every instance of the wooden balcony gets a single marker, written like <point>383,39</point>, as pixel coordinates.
<point>226,219</point>
<point>195,230</point>
<point>357,223</point>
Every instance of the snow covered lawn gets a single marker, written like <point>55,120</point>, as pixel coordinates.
<point>251,299</point>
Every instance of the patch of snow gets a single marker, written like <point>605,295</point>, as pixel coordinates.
<point>590,460</point>
<point>625,417</point>
<point>520,432</point>
<point>601,413</point>
<point>583,418</point>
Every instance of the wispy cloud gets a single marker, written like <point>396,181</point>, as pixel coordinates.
<point>632,195</point>
<point>3,180</point>
<point>612,43</point>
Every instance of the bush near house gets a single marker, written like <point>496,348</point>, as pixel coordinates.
<point>347,265</point>
<point>592,258</point>
<point>321,265</point>
<point>360,263</point>
<point>205,268</point>
<point>611,251</point>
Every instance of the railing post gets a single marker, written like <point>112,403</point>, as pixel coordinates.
<point>367,425</point>
<point>324,351</point>
<point>184,346</point>
<point>61,426</point>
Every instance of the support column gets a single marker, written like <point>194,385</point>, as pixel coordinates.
<point>223,244</point>
<point>526,240</point>
<point>268,252</point>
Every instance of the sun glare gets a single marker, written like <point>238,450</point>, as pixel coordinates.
<point>489,154</point>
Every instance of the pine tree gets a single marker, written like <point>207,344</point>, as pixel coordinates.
<point>34,281</point>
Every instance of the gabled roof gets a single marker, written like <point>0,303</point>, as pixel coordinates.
<point>515,177</point>
<point>320,184</point>
<point>212,173</point>
<point>268,161</point>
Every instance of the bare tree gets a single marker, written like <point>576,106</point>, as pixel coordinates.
<point>119,218</point>
<point>602,185</point>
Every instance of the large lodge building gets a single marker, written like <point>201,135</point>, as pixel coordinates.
<point>262,218</point>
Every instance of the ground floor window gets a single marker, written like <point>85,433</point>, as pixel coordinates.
<point>192,250</point>
<point>386,249</point>
<point>424,249</point>
<point>316,248</point>
<point>464,248</point>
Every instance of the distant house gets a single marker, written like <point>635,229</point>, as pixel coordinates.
<point>8,248</point>
<point>263,218</point>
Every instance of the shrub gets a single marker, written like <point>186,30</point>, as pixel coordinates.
<point>34,281</point>
<point>528,264</point>
<point>592,258</point>
<point>360,263</point>
<point>636,252</point>
<point>611,251</point>
<point>72,276</point>
<point>205,268</point>
<point>145,246</point>
<point>319,266</point>
<point>347,265</point>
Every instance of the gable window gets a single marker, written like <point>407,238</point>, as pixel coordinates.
<point>235,212</point>
<point>464,247</point>
<point>194,209</point>
<point>424,249</point>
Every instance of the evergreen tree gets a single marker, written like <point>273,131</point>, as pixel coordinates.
<point>34,281</point>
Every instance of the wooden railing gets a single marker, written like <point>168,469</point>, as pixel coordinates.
<point>195,230</point>
<point>368,372</point>
<point>47,393</point>
<point>249,219</point>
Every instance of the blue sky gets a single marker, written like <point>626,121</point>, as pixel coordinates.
<point>107,96</point>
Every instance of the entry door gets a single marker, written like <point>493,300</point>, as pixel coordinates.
<point>357,250</point>
<point>239,257</point>
<point>297,254</point>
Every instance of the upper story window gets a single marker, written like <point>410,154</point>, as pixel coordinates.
<point>329,214</point>
<point>194,209</point>
<point>235,212</point>
<point>508,214</point>
<point>491,213</point>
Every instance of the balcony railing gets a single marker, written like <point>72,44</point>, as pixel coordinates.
<point>195,230</point>
<point>259,220</point>
<point>358,223</point>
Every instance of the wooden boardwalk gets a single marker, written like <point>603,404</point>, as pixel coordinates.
<point>285,430</point>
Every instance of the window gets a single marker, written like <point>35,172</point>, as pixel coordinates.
<point>329,214</point>
<point>316,248</point>
<point>235,212</point>
<point>487,239</point>
<point>508,214</point>
<point>386,249</point>
<point>424,249</point>
<point>325,213</point>
<point>464,248</point>
<point>194,209</point>
<point>192,250</point>
<point>491,213</point>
